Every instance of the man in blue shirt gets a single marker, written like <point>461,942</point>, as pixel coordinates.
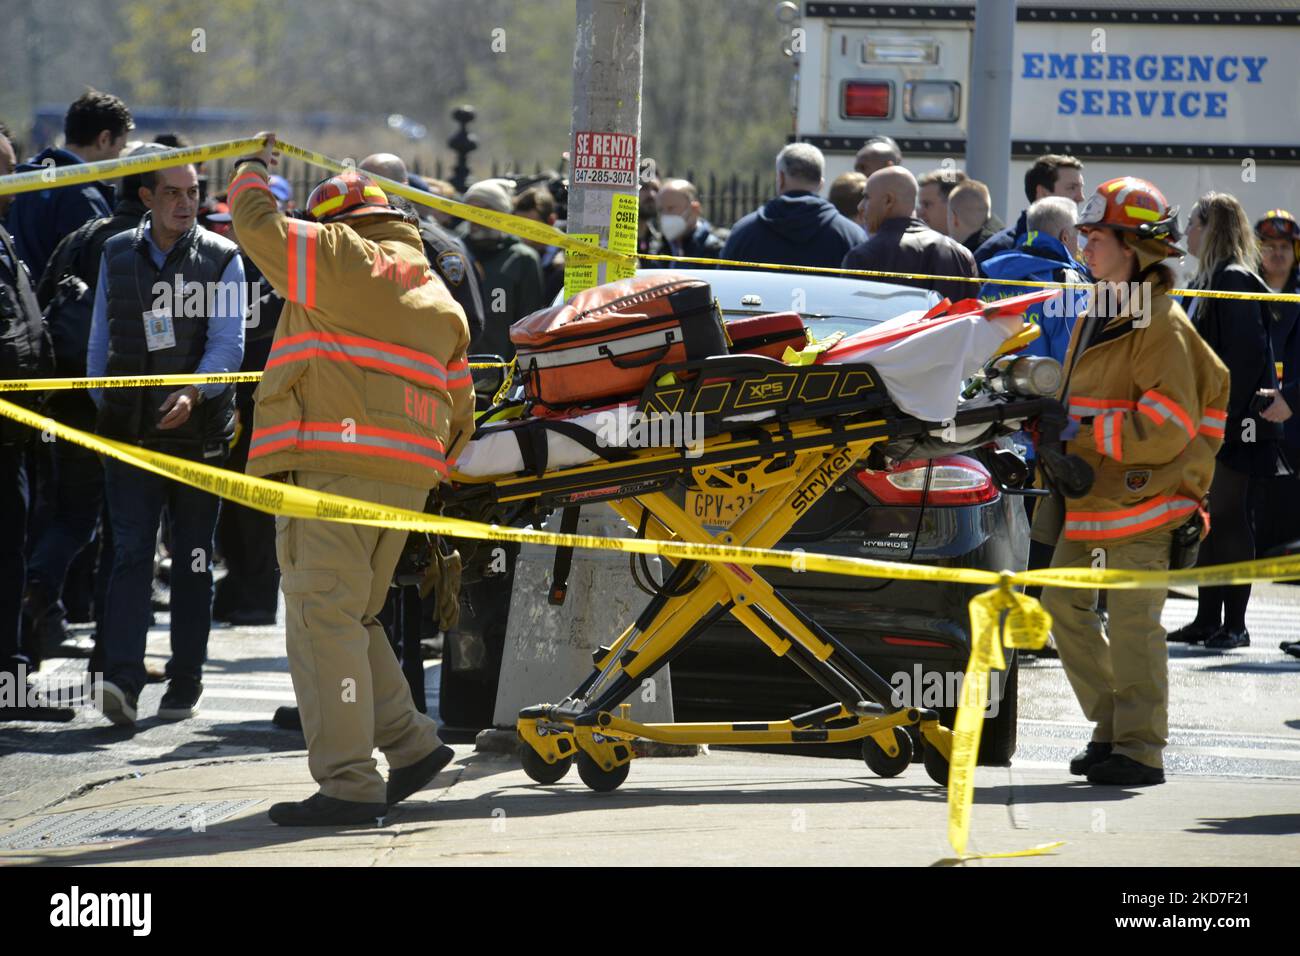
<point>170,300</point>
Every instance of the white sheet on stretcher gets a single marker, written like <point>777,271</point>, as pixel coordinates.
<point>923,372</point>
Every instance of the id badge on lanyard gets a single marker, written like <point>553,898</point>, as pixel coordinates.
<point>159,331</point>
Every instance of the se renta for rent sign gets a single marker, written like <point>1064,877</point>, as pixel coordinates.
<point>1156,84</point>
<point>603,159</point>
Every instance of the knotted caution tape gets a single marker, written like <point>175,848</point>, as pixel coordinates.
<point>54,177</point>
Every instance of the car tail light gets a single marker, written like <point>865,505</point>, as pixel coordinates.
<point>954,480</point>
<point>868,99</point>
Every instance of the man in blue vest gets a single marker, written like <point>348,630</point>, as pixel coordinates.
<point>170,300</point>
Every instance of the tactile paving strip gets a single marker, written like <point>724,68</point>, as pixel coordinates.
<point>81,827</point>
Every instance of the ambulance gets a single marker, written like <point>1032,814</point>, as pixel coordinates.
<point>1193,95</point>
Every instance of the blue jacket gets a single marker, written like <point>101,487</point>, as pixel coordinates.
<point>39,219</point>
<point>796,228</point>
<point>1041,258</point>
<point>1003,241</point>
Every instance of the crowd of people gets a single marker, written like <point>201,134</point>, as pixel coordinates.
<point>1184,408</point>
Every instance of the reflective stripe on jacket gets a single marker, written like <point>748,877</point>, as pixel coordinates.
<point>1150,399</point>
<point>367,374</point>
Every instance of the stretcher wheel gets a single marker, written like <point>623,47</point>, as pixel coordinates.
<point>597,777</point>
<point>880,763</point>
<point>936,764</point>
<point>538,769</point>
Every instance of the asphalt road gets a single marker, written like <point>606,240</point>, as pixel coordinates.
<point>1232,714</point>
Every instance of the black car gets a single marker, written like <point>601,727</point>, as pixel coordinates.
<point>950,511</point>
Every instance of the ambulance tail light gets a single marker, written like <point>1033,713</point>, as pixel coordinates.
<point>867,99</point>
<point>931,101</point>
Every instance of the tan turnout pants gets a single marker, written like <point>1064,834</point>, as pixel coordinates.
<point>351,692</point>
<point>1121,675</point>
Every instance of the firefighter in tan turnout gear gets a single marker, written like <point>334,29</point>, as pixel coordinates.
<point>366,393</point>
<point>1149,397</point>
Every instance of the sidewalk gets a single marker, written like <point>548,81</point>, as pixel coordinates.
<point>725,808</point>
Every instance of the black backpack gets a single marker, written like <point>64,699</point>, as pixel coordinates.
<point>24,345</point>
<point>68,313</point>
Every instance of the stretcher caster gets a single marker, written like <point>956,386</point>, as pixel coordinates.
<point>597,777</point>
<point>538,769</point>
<point>883,764</point>
<point>936,764</point>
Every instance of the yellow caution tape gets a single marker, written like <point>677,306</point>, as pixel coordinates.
<point>979,280</point>
<point>525,228</point>
<point>998,617</point>
<point>124,381</point>
<point>145,381</point>
<point>514,225</point>
<point>52,177</point>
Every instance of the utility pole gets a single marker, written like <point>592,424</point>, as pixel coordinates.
<point>548,647</point>
<point>605,136</point>
<point>988,131</point>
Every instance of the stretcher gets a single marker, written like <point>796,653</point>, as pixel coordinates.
<point>776,437</point>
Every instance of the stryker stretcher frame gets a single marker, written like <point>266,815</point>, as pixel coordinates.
<point>828,418</point>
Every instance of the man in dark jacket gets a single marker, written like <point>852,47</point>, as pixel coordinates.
<point>1051,175</point>
<point>75,494</point>
<point>512,271</point>
<point>447,255</point>
<point>685,231</point>
<point>95,129</point>
<point>22,355</point>
<point>798,227</point>
<point>969,221</point>
<point>902,243</point>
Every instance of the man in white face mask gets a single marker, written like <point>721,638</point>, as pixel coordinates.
<point>686,233</point>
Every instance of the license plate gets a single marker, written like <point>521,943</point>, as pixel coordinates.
<point>718,509</point>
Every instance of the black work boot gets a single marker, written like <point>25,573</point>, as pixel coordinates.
<point>1121,771</point>
<point>319,810</point>
<point>407,780</point>
<point>1089,757</point>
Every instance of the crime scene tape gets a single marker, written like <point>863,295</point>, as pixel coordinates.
<point>54,177</point>
<point>1026,283</point>
<point>514,225</point>
<point>146,381</point>
<point>999,616</point>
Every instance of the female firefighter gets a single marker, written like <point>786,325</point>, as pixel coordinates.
<point>1148,396</point>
